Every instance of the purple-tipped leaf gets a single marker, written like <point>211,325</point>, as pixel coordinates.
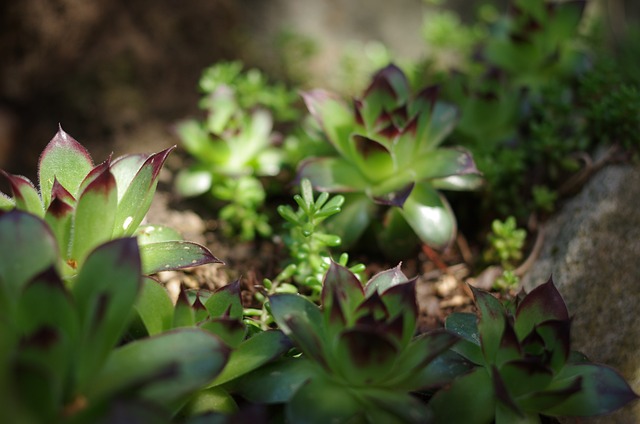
<point>105,291</point>
<point>94,216</point>
<point>603,391</point>
<point>65,159</point>
<point>137,197</point>
<point>542,304</point>
<point>525,376</point>
<point>341,289</point>
<point>334,116</point>
<point>443,163</point>
<point>491,324</point>
<point>557,341</point>
<point>25,194</point>
<point>388,86</point>
<point>172,255</point>
<point>225,301</point>
<point>400,300</point>
<point>510,349</point>
<point>502,394</point>
<point>385,280</point>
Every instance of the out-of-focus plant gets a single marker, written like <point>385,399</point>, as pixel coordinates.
<point>524,366</point>
<point>234,145</point>
<point>61,353</point>
<point>388,155</point>
<point>506,241</point>
<point>219,313</point>
<point>360,360</point>
<point>86,205</point>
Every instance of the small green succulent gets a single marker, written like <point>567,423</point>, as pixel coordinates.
<point>387,143</point>
<point>524,366</point>
<point>360,360</point>
<point>234,145</point>
<point>86,205</point>
<point>63,351</point>
<point>506,241</point>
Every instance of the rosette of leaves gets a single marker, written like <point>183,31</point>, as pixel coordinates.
<point>524,366</point>
<point>360,360</point>
<point>219,313</point>
<point>233,145</point>
<point>86,205</point>
<point>389,155</point>
<point>63,350</point>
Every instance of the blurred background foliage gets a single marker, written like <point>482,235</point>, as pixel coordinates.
<point>119,73</point>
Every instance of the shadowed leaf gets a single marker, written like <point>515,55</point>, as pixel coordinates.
<point>225,301</point>
<point>542,304</point>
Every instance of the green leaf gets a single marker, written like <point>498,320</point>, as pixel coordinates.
<point>276,382</point>
<point>124,170</point>
<point>171,255</point>
<point>465,182</point>
<point>342,293</point>
<point>225,301</point>
<point>47,322</point>
<point>6,202</point>
<point>252,354</point>
<point>25,195</point>
<point>364,356</point>
<point>542,304</point>
<point>335,118</point>
<point>105,290</point>
<point>67,161</point>
<point>94,217</point>
<point>469,399</point>
<point>333,174</point>
<point>27,247</point>
<point>135,202</point>
<point>603,391</point>
<point>442,121</point>
<point>154,307</point>
<point>153,233</point>
<point>353,220</point>
<point>183,315</point>
<point>465,325</point>
<point>164,368</point>
<point>393,407</point>
<point>384,280</point>
<point>194,181</point>
<point>491,324</point>
<point>442,163</point>
<point>59,217</point>
<point>338,404</point>
<point>230,330</point>
<point>430,216</point>
<point>213,399</point>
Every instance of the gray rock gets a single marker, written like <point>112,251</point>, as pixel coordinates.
<point>592,249</point>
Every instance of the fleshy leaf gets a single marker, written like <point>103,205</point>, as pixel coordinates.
<point>164,368</point>
<point>542,304</point>
<point>353,220</point>
<point>105,290</point>
<point>67,161</point>
<point>252,354</point>
<point>332,175</point>
<point>134,203</point>
<point>94,217</point>
<point>492,322</point>
<point>364,356</point>
<point>603,391</point>
<point>183,315</point>
<point>341,290</point>
<point>525,376</point>
<point>154,233</point>
<point>465,325</point>
<point>225,301</point>
<point>442,163</point>
<point>25,195</point>
<point>334,116</point>
<point>27,247</point>
<point>6,202</point>
<point>430,216</point>
<point>154,307</point>
<point>479,404</point>
<point>338,405</point>
<point>171,255</point>
<point>193,181</point>
<point>385,280</point>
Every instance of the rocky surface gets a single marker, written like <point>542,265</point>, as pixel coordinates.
<point>592,249</point>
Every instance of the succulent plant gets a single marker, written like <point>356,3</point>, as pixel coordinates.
<point>524,366</point>
<point>86,205</point>
<point>389,155</point>
<point>219,313</point>
<point>63,356</point>
<point>360,360</point>
<point>233,146</point>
